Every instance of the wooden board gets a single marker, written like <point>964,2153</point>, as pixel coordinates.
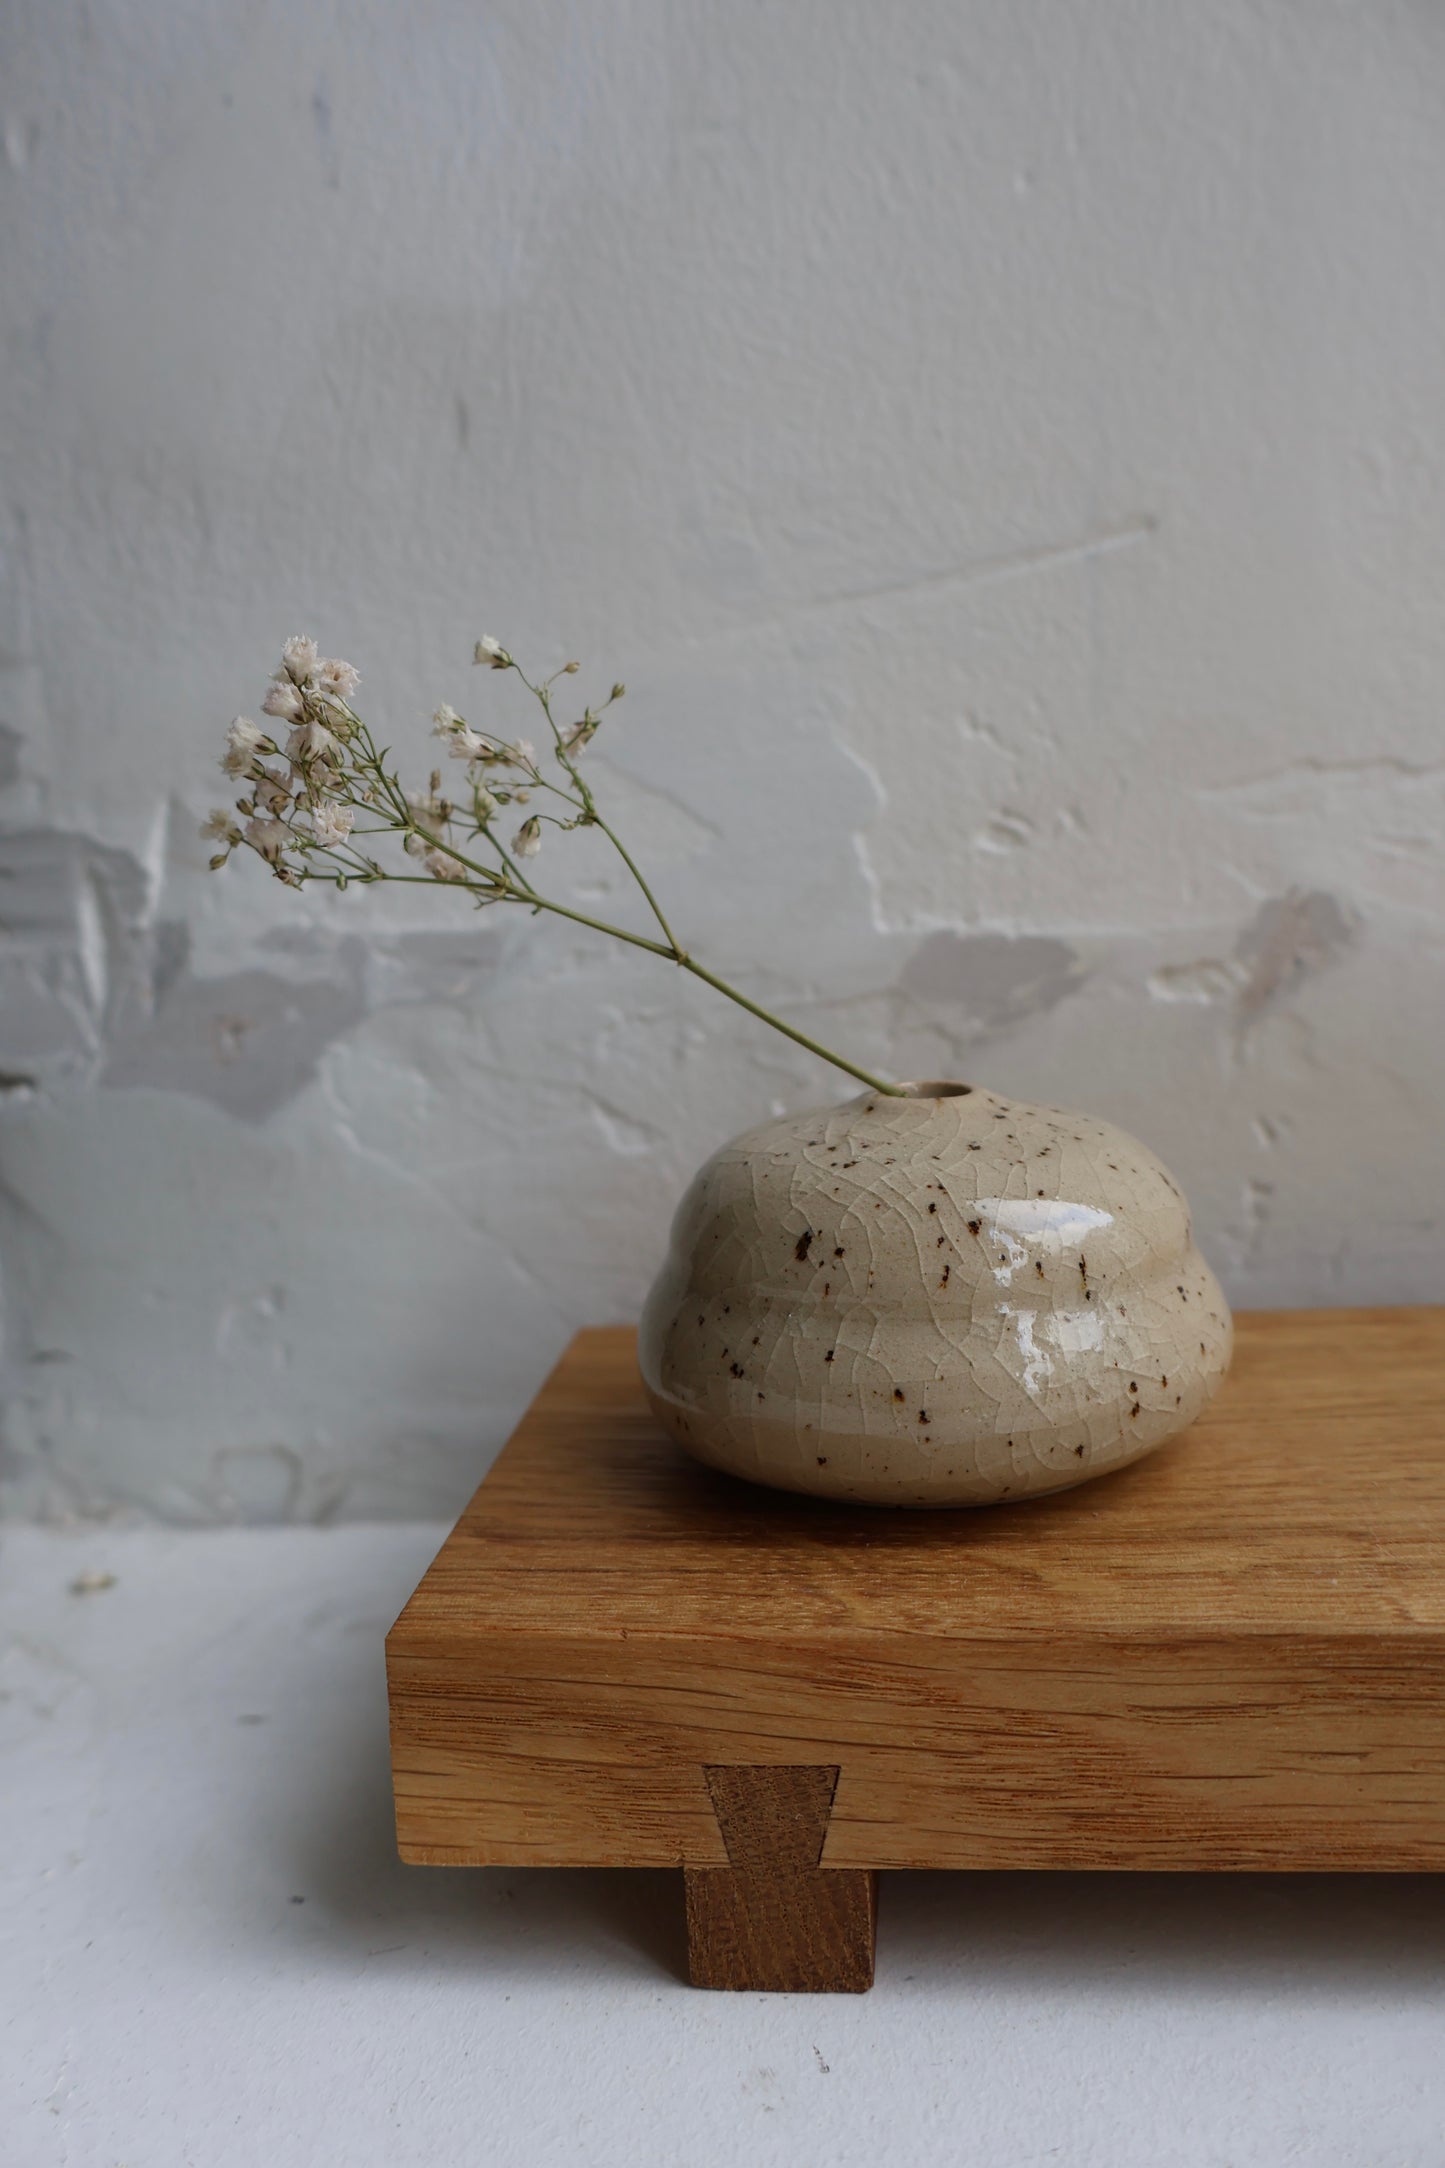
<point>1230,1655</point>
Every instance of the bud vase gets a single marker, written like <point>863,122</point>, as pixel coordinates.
<point>945,1298</point>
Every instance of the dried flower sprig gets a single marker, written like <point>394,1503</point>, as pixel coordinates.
<point>312,804</point>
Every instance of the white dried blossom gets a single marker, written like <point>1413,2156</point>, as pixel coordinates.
<point>283,701</point>
<point>299,658</point>
<point>441,867</point>
<point>332,823</point>
<point>269,837</point>
<point>243,742</point>
<point>429,805</point>
<point>311,741</point>
<point>337,680</point>
<point>295,812</point>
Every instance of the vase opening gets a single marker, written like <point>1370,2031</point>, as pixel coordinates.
<point>936,1088</point>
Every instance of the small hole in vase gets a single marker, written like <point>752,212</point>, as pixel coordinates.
<point>937,1088</point>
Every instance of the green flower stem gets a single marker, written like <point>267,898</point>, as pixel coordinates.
<point>824,1053</point>
<point>656,908</point>
<point>671,954</point>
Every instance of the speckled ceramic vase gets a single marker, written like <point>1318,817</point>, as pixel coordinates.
<point>945,1299</point>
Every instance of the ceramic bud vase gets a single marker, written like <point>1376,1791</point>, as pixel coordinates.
<point>942,1299</point>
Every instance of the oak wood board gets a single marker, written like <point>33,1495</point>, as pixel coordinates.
<point>1229,1655</point>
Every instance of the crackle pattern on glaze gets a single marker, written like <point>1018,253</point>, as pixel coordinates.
<point>948,1299</point>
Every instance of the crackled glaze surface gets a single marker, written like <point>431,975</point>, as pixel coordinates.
<point>945,1299</point>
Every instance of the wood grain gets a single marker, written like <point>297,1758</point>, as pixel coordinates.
<point>1229,1655</point>
<point>773,1919</point>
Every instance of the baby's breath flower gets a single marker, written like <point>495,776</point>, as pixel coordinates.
<point>284,701</point>
<point>332,823</point>
<point>269,837</point>
<point>337,680</point>
<point>311,741</point>
<point>299,658</point>
<point>295,812</point>
<point>243,742</point>
<point>429,806</point>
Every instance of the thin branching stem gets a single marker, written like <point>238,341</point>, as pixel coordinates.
<point>335,770</point>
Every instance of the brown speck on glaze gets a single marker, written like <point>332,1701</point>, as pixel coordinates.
<point>805,1243</point>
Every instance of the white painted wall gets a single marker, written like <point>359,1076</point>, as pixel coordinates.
<point>1002,449</point>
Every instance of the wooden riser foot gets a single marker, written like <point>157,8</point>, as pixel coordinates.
<point>773,1920</point>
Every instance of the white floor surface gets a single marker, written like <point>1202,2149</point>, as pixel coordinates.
<point>211,1956</point>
